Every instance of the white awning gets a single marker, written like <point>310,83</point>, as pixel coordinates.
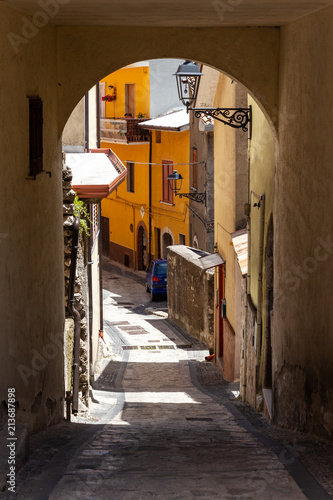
<point>211,260</point>
<point>95,175</point>
<point>175,121</point>
<point>239,240</point>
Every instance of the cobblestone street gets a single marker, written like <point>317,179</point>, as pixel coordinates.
<point>162,424</point>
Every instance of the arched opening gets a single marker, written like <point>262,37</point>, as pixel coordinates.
<point>167,241</point>
<point>277,71</point>
<point>134,249</point>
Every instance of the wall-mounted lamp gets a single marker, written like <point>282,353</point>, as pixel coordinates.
<point>188,77</point>
<point>175,182</point>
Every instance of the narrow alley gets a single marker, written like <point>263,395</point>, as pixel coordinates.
<point>162,424</point>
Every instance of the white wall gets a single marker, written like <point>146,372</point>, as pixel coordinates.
<point>163,86</point>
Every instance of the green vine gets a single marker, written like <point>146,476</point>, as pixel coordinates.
<point>80,210</point>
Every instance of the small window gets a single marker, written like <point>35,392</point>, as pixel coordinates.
<point>130,177</point>
<point>35,136</point>
<point>130,99</point>
<point>182,239</point>
<point>158,137</point>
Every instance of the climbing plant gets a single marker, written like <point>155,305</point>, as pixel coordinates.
<point>80,210</point>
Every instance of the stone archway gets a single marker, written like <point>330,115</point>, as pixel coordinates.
<point>80,48</point>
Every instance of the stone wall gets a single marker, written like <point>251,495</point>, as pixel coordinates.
<point>80,293</point>
<point>190,294</point>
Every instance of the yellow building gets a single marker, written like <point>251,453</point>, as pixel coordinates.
<point>231,194</point>
<point>142,217</point>
<point>244,203</point>
<point>170,151</point>
<point>257,370</point>
<point>125,94</point>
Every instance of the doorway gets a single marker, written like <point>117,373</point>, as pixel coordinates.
<point>142,248</point>
<point>167,241</point>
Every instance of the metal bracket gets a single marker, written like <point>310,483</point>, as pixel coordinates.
<point>234,117</point>
<point>198,197</point>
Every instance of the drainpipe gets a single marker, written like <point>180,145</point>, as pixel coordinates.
<point>98,116</point>
<point>90,292</point>
<point>134,229</point>
<point>261,259</point>
<point>150,195</point>
<point>75,314</point>
<point>86,122</point>
<point>100,254</point>
<point>246,315</point>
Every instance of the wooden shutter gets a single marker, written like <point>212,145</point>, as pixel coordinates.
<point>170,193</point>
<point>194,168</point>
<point>167,167</point>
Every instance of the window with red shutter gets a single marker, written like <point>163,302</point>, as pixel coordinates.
<point>194,168</point>
<point>167,169</point>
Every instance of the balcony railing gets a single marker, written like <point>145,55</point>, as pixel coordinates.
<point>124,130</point>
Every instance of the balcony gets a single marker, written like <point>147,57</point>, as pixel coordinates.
<point>123,130</point>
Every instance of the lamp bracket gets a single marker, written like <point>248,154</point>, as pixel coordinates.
<point>234,117</point>
<point>198,197</point>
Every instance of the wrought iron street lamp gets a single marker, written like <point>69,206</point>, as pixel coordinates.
<point>175,182</point>
<point>188,77</point>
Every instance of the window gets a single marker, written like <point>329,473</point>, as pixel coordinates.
<point>194,168</point>
<point>158,137</point>
<point>130,99</point>
<point>167,169</point>
<point>130,177</point>
<point>182,239</point>
<point>35,136</point>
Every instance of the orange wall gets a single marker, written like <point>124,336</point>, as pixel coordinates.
<point>137,75</point>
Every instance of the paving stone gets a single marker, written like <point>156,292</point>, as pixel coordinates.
<point>168,427</point>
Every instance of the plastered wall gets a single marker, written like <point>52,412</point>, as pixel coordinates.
<point>303,250</point>
<point>31,241</point>
<point>230,195</point>
<point>292,79</point>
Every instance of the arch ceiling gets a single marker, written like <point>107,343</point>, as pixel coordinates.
<point>86,55</point>
<point>173,13</point>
